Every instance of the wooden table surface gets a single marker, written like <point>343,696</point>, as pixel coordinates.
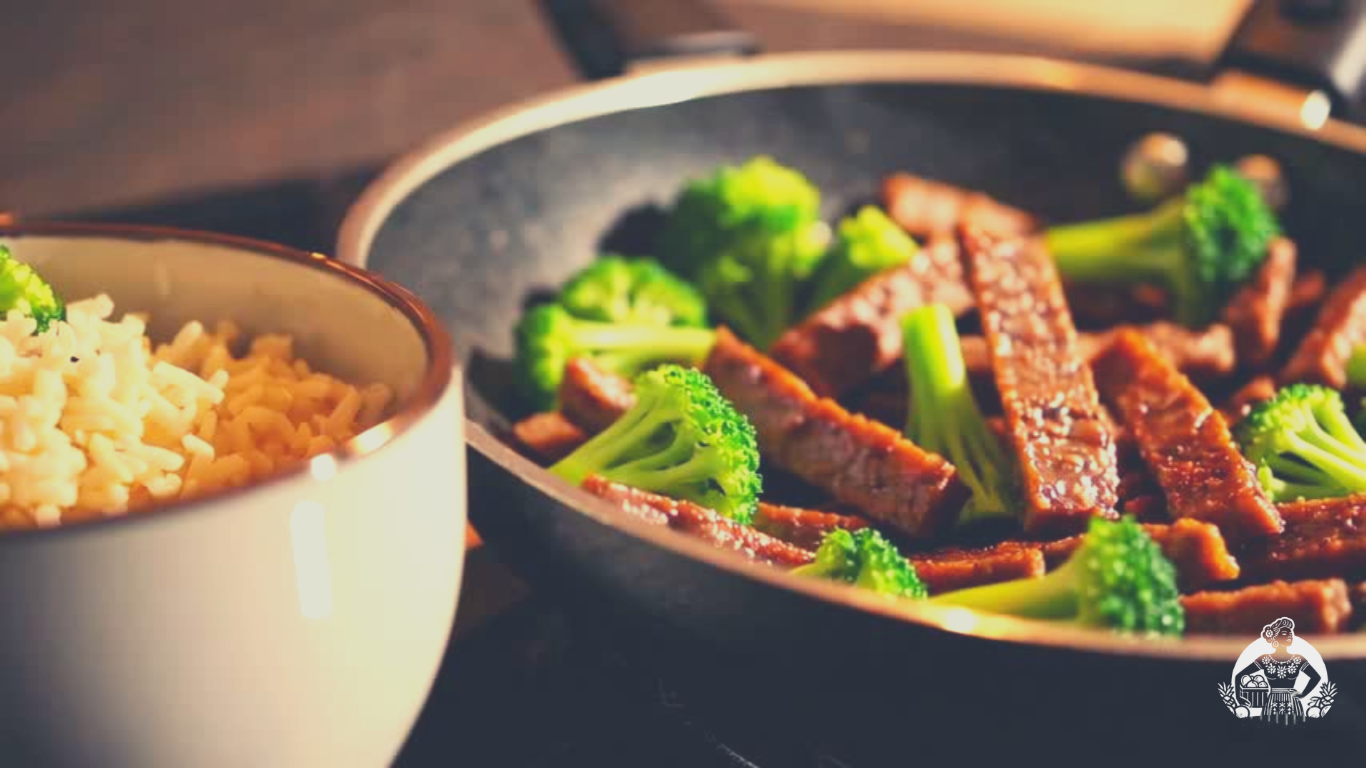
<point>122,103</point>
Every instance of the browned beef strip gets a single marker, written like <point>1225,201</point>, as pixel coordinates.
<point>593,398</point>
<point>1309,289</point>
<point>949,570</point>
<point>1315,606</point>
<point>1059,432</point>
<point>881,405</point>
<point>1240,402</point>
<point>804,528</point>
<point>1101,306</point>
<point>858,334</point>
<point>1341,325</point>
<point>924,207</point>
<point>1185,442</point>
<point>1255,311</point>
<point>548,436</point>
<point>699,521</point>
<point>863,463</point>
<point>1201,354</point>
<point>1196,549</point>
<point>1146,507</point>
<point>1323,538</point>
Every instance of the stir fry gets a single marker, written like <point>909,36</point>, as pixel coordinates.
<point>1119,424</point>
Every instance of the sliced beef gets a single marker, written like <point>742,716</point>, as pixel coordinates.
<point>1057,427</point>
<point>1341,325</point>
<point>1259,389</point>
<point>548,436</point>
<point>1204,354</point>
<point>1101,306</point>
<point>593,398</point>
<point>1309,289</point>
<point>1315,606</point>
<point>1184,440</point>
<point>949,570</point>
<point>1323,538</point>
<point>858,335</point>
<point>805,528</point>
<point>1255,311</point>
<point>862,463</point>
<point>699,521</point>
<point>1146,507</point>
<point>1196,549</point>
<point>924,207</point>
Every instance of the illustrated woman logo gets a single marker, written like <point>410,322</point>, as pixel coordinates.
<point>1279,679</point>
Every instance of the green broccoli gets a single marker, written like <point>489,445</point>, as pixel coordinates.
<point>1356,368</point>
<point>1200,245</point>
<point>1118,579</point>
<point>681,439</point>
<point>944,417</point>
<point>867,560</point>
<point>617,289</point>
<point>548,337</point>
<point>865,244</point>
<point>749,237</point>
<point>23,289</point>
<point>1303,444</point>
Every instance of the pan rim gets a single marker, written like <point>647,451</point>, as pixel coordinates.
<point>372,209</point>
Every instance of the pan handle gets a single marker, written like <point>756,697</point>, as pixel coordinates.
<point>610,37</point>
<point>1315,46</point>
<point>1304,55</point>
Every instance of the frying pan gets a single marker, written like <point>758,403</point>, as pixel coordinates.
<point>505,208</point>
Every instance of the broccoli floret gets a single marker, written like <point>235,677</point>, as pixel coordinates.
<point>1200,245</point>
<point>754,283</point>
<point>710,210</point>
<point>945,419</point>
<point>681,439</point>
<point>1118,579</point>
<point>617,289</point>
<point>749,237</point>
<point>1303,444</point>
<point>867,560</point>
<point>21,288</point>
<point>865,244</point>
<point>548,337</point>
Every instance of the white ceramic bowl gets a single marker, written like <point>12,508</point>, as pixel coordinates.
<point>296,623</point>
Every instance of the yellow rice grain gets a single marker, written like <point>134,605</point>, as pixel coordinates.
<point>95,420</point>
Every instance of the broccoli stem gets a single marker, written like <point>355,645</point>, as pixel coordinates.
<point>630,433</point>
<point>1356,368</point>
<point>661,341</point>
<point>1143,247</point>
<point>944,416</point>
<point>1054,596</point>
<point>627,350</point>
<point>1325,452</point>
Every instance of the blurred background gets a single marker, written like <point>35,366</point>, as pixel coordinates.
<point>123,108</point>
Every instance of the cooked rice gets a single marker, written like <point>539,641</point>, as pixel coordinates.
<point>95,421</point>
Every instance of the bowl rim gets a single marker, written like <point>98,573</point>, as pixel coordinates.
<point>441,372</point>
<point>372,209</point>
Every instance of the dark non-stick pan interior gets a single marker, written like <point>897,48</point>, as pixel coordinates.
<point>495,230</point>
<point>480,238</point>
